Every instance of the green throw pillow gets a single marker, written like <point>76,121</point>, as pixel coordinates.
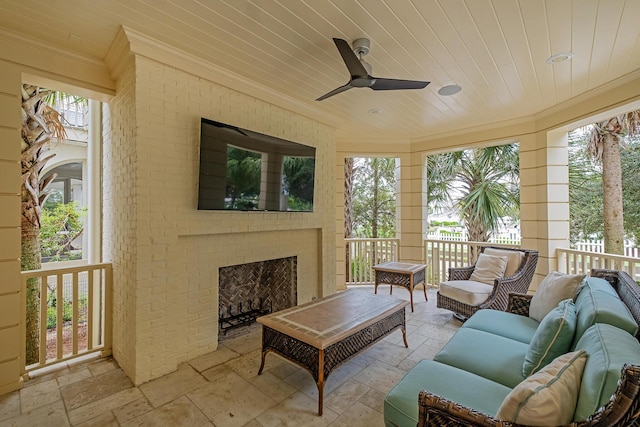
<point>552,338</point>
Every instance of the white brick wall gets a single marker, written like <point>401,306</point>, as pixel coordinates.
<point>166,254</point>
<point>120,177</point>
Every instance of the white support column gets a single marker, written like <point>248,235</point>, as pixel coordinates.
<point>94,193</point>
<point>94,223</point>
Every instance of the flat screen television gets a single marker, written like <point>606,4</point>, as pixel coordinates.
<point>249,171</point>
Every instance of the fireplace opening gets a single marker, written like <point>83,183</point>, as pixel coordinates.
<point>247,291</point>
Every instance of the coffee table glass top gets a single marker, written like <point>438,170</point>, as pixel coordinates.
<point>328,320</point>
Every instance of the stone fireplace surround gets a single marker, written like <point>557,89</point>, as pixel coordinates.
<point>204,255</point>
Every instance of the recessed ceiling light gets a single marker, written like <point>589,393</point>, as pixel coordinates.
<point>375,111</point>
<point>559,57</point>
<point>449,90</point>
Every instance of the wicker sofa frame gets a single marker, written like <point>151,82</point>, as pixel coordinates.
<point>499,298</point>
<point>623,409</point>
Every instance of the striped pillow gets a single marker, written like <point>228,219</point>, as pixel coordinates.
<point>548,397</point>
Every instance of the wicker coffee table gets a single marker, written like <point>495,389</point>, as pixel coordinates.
<point>321,335</point>
<point>400,273</point>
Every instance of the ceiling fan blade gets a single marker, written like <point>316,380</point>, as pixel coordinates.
<point>356,69</point>
<point>395,84</point>
<point>335,92</point>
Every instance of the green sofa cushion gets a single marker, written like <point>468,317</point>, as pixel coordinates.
<point>595,304</point>
<point>508,325</point>
<point>597,284</point>
<point>608,349</point>
<point>552,338</point>
<point>491,356</point>
<point>401,403</point>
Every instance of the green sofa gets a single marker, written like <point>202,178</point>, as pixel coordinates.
<point>468,380</point>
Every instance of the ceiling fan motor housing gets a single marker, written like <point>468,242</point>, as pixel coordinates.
<point>361,46</point>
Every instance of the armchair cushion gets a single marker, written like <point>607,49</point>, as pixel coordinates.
<point>488,268</point>
<point>548,397</point>
<point>552,338</point>
<point>553,289</point>
<point>466,291</point>
<point>514,259</point>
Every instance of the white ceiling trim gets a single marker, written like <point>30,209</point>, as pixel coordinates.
<point>140,44</point>
<point>55,63</point>
<point>630,96</point>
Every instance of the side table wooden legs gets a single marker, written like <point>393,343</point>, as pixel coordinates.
<point>389,273</point>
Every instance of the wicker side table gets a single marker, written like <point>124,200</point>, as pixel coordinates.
<point>402,274</point>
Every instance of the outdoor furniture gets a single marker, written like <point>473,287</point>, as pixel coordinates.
<point>464,296</point>
<point>400,273</point>
<point>478,378</point>
<point>321,335</point>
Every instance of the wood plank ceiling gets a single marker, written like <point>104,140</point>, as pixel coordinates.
<point>494,49</point>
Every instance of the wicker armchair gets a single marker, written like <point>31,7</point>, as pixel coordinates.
<point>499,297</point>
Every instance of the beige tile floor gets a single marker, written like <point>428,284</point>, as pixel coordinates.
<point>223,389</point>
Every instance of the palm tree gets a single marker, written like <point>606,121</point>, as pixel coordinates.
<point>481,184</point>
<point>40,122</point>
<point>585,189</point>
<point>605,141</point>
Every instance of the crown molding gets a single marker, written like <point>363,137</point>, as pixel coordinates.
<point>505,128</point>
<point>119,54</point>
<point>129,43</point>
<point>50,62</point>
<point>595,104</point>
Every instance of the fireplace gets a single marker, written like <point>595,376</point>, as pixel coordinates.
<point>249,290</point>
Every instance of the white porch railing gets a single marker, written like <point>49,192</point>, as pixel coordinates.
<point>502,239</point>
<point>75,312</point>
<point>573,261</point>
<point>630,249</point>
<point>363,254</point>
<point>440,255</point>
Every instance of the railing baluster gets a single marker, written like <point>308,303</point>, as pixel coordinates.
<point>90,313</point>
<point>59,314</point>
<point>106,280</point>
<point>74,320</point>
<point>43,318</point>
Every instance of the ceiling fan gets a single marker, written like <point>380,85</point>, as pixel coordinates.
<point>361,71</point>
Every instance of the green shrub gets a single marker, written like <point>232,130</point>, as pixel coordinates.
<point>67,310</point>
